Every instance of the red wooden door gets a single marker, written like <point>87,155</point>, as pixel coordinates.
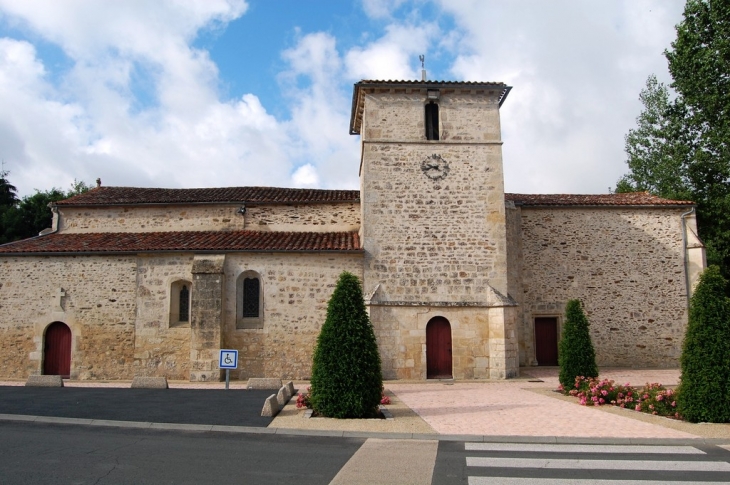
<point>57,350</point>
<point>438,349</point>
<point>546,341</point>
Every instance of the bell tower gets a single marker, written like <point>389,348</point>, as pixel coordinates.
<point>433,227</point>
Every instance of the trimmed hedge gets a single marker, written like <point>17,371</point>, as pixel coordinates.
<point>576,356</point>
<point>347,379</point>
<point>704,389</point>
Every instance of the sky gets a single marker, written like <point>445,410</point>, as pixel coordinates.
<point>219,93</point>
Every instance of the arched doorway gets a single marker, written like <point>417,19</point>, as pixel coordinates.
<point>438,349</point>
<point>57,350</point>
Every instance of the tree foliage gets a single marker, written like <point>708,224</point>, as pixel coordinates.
<point>704,390</point>
<point>680,149</point>
<point>346,375</point>
<point>576,356</point>
<point>26,217</point>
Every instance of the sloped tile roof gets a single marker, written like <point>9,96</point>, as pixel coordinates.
<point>627,199</point>
<point>185,241</point>
<point>262,195</point>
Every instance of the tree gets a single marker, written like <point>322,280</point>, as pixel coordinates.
<point>24,218</point>
<point>680,147</point>
<point>346,379</point>
<point>704,390</point>
<point>576,356</point>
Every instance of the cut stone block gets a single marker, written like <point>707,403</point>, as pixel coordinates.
<point>290,386</point>
<point>263,383</point>
<point>149,383</point>
<point>271,407</point>
<point>44,381</point>
<point>283,396</point>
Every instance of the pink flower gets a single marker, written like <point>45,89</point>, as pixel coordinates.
<point>659,397</point>
<point>637,408</point>
<point>651,406</point>
<point>604,392</point>
<point>674,404</point>
<point>601,401</point>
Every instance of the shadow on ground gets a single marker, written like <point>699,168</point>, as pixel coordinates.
<point>185,406</point>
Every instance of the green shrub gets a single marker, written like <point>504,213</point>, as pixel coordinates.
<point>576,356</point>
<point>704,389</point>
<point>346,376</point>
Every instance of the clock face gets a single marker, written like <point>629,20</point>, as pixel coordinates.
<point>435,167</point>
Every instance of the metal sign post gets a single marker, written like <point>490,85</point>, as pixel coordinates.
<point>228,360</point>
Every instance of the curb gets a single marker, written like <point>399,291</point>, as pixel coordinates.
<point>362,434</point>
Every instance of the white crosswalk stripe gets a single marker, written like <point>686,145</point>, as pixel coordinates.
<point>544,464</point>
<point>645,449</point>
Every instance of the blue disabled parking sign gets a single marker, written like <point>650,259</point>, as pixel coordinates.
<point>228,359</point>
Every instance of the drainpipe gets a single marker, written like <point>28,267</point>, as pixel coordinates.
<point>686,255</point>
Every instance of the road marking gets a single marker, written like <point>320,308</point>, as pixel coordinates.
<point>699,466</point>
<point>564,481</point>
<point>557,448</point>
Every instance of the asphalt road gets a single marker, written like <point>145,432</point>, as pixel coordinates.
<point>233,407</point>
<point>65,454</point>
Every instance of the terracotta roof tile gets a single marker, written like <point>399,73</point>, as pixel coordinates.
<point>262,195</point>
<point>627,199</point>
<point>186,241</point>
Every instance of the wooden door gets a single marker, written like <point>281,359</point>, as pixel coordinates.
<point>57,350</point>
<point>438,349</point>
<point>546,341</point>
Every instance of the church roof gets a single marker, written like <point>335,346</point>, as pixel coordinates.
<point>627,199</point>
<point>181,241</point>
<point>235,195</point>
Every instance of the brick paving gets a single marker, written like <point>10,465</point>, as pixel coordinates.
<point>510,408</point>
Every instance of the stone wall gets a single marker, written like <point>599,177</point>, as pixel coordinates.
<point>210,217</point>
<point>456,223</point>
<point>476,333</point>
<point>626,265</point>
<point>161,349</point>
<point>97,303</point>
<point>296,289</point>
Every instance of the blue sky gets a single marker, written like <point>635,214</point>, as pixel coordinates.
<point>233,92</point>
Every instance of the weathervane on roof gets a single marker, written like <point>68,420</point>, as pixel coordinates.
<point>422,58</point>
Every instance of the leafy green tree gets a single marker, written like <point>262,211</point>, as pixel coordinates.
<point>704,390</point>
<point>346,379</point>
<point>576,356</point>
<point>26,217</point>
<point>680,147</point>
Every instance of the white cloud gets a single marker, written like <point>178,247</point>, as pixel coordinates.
<point>305,176</point>
<point>393,56</point>
<point>577,69</point>
<point>379,9</point>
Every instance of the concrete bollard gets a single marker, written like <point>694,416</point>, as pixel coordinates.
<point>283,396</point>
<point>44,381</point>
<point>271,407</point>
<point>140,382</point>
<point>290,386</point>
<point>263,383</point>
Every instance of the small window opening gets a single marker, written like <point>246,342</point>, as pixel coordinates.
<point>251,290</point>
<point>184,304</point>
<point>432,121</point>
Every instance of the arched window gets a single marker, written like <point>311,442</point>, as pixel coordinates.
<point>432,121</point>
<point>184,306</point>
<point>249,301</point>
<point>180,303</point>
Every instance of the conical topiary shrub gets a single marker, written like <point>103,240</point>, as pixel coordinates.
<point>576,356</point>
<point>704,389</point>
<point>346,376</point>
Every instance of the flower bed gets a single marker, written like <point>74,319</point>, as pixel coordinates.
<point>652,398</point>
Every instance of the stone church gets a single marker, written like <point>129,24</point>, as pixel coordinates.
<point>461,279</point>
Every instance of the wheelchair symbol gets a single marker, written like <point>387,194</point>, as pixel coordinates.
<point>228,359</point>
